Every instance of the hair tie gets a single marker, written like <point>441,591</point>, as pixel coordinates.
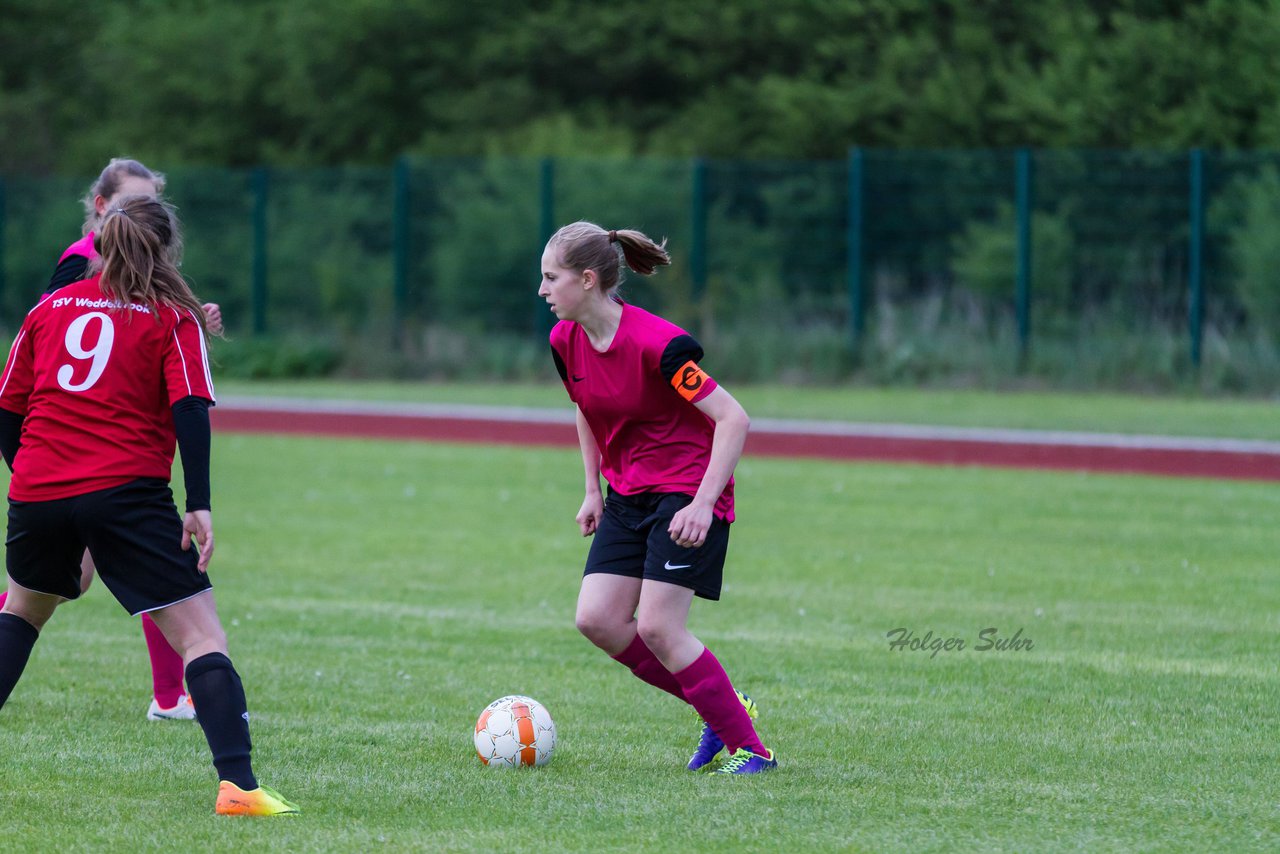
<point>118,210</point>
<point>613,237</point>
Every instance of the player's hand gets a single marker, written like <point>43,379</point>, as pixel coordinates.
<point>588,518</point>
<point>688,528</point>
<point>197,525</point>
<point>212,318</point>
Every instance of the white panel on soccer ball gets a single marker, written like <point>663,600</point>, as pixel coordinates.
<point>505,745</point>
<point>501,722</point>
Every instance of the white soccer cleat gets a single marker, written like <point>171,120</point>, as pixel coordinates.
<point>184,710</point>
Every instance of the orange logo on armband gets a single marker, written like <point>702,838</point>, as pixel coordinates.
<point>689,380</point>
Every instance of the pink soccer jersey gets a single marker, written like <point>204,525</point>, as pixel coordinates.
<point>95,382</point>
<point>637,398</point>
<point>82,247</point>
<point>74,264</point>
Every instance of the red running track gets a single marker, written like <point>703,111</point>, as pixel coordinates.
<point>1208,458</point>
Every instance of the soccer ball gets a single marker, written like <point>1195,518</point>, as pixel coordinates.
<point>515,731</point>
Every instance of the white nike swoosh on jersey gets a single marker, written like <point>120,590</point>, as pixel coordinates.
<point>668,565</point>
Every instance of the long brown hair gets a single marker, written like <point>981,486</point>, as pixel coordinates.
<point>141,245</point>
<point>586,246</point>
<point>108,184</point>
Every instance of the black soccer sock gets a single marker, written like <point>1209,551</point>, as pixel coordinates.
<point>17,637</point>
<point>218,696</point>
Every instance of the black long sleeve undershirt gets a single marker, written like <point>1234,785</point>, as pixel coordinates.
<point>10,435</point>
<point>191,425</point>
<point>71,269</point>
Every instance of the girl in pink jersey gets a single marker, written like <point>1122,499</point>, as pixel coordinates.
<point>121,178</point>
<point>666,438</point>
<point>107,376</point>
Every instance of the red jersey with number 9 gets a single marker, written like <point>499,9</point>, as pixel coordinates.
<point>95,381</point>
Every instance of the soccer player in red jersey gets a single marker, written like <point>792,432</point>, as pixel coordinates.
<point>106,376</point>
<point>666,437</point>
<point>120,178</point>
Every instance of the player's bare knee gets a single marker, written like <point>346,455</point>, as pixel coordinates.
<point>658,635</point>
<point>598,628</point>
<point>590,626</point>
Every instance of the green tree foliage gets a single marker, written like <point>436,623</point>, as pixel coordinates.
<point>41,94</point>
<point>1250,208</point>
<point>310,82</point>
<point>986,260</point>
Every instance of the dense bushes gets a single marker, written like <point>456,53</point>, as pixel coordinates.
<point>314,82</point>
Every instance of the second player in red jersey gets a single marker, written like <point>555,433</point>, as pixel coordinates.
<point>123,177</point>
<point>105,377</point>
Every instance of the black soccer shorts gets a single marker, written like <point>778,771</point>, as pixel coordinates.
<point>632,540</point>
<point>133,532</point>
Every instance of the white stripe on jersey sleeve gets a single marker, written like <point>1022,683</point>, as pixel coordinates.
<point>177,343</point>
<point>204,359</point>
<point>204,353</point>
<point>4,383</point>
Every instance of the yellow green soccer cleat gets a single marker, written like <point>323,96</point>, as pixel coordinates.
<point>709,744</point>
<point>262,801</point>
<point>746,762</point>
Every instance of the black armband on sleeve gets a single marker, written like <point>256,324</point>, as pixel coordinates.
<point>71,269</point>
<point>680,351</point>
<point>191,425</point>
<point>10,435</point>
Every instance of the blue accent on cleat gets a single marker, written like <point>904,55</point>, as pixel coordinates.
<point>709,744</point>
<point>746,762</point>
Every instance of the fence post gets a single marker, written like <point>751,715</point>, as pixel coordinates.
<point>260,181</point>
<point>1195,255</point>
<point>698,239</point>
<point>853,249</point>
<point>543,318</point>
<point>1023,202</point>
<point>400,249</point>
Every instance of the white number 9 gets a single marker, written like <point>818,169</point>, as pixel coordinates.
<point>99,352</point>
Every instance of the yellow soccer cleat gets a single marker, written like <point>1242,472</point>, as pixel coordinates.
<point>746,762</point>
<point>262,801</point>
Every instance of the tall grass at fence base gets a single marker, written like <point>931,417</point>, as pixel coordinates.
<point>928,342</point>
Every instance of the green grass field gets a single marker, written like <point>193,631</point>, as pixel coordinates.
<point>379,594</point>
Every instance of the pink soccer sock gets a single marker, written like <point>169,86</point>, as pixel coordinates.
<point>3,596</point>
<point>645,665</point>
<point>708,689</point>
<point>166,665</point>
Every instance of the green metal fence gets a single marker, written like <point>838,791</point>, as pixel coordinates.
<point>1093,266</point>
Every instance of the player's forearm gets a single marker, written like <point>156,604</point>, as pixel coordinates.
<point>191,424</point>
<point>590,454</point>
<point>10,435</point>
<point>726,449</point>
